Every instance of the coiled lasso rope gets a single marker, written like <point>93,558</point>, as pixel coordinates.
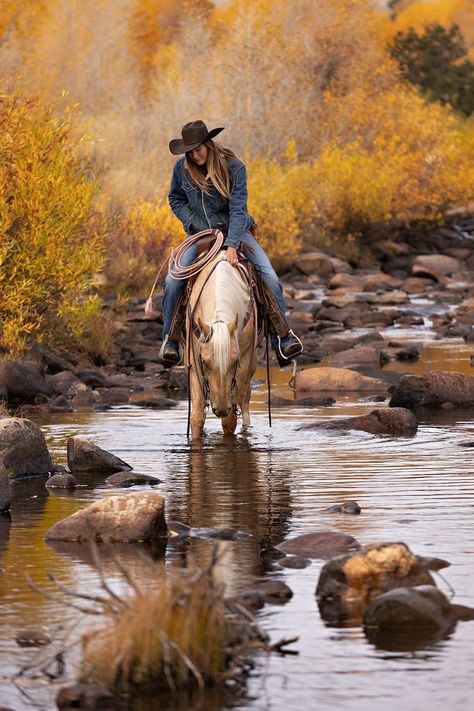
<point>178,270</point>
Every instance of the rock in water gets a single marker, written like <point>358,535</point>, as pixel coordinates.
<point>409,618</point>
<point>347,584</point>
<point>133,517</point>
<point>5,493</point>
<point>336,379</point>
<point>126,479</point>
<point>434,389</point>
<point>62,481</point>
<point>84,456</point>
<point>322,544</point>
<point>23,449</point>
<point>384,421</point>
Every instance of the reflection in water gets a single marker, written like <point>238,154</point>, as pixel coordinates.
<point>413,640</point>
<point>231,485</point>
<point>273,484</point>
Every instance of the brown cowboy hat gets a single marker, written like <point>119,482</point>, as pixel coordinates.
<point>193,134</point>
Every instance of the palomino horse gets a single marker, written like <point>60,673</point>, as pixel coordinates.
<point>221,333</point>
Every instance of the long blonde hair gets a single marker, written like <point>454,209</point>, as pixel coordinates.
<point>216,166</point>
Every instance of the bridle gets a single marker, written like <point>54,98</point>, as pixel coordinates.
<point>201,371</point>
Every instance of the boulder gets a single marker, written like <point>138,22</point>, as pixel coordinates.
<point>315,263</point>
<point>62,381</point>
<point>384,421</point>
<point>23,382</point>
<point>321,544</point>
<point>347,584</point>
<point>23,450</point>
<point>408,618</point>
<point>5,493</point>
<point>295,562</point>
<point>84,456</point>
<point>434,389</point>
<point>336,379</point>
<point>133,517</point>
<point>359,355</point>
<point>434,266</point>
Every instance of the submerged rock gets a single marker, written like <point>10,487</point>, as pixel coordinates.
<point>272,591</point>
<point>295,562</point>
<point>23,449</point>
<point>62,481</point>
<point>128,479</point>
<point>408,617</point>
<point>397,421</point>
<point>434,389</point>
<point>303,402</point>
<point>347,584</point>
<point>84,456</point>
<point>128,518</point>
<point>322,544</point>
<point>351,508</point>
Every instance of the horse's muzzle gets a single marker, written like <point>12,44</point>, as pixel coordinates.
<point>221,413</point>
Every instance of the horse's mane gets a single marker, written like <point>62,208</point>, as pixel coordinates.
<point>230,297</point>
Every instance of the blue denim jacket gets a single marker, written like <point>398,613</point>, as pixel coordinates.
<point>200,211</point>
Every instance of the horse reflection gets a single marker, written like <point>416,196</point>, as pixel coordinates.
<point>232,486</point>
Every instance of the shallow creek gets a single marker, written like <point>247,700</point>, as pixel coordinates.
<point>273,484</point>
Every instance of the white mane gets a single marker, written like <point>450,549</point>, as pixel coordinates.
<point>231,298</point>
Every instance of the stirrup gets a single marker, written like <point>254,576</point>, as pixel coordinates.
<point>284,360</point>
<point>168,362</point>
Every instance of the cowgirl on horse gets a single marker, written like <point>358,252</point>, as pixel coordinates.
<point>209,190</point>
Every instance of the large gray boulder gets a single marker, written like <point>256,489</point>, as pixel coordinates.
<point>434,389</point>
<point>129,518</point>
<point>83,456</point>
<point>23,382</point>
<point>435,266</point>
<point>347,584</point>
<point>23,450</point>
<point>395,421</point>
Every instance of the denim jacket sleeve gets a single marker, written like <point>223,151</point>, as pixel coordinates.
<point>238,214</point>
<point>178,199</point>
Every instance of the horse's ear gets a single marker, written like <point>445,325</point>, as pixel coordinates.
<point>232,325</point>
<point>203,327</point>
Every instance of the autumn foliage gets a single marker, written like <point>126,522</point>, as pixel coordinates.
<point>49,250</point>
<point>339,147</point>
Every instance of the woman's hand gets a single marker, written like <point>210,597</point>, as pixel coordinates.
<point>231,256</point>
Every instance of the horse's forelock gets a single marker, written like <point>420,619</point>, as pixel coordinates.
<point>221,346</point>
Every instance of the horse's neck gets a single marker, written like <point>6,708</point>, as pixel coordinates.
<point>224,295</point>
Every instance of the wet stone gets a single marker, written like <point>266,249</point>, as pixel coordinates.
<point>295,562</point>
<point>273,591</point>
<point>129,479</point>
<point>85,456</point>
<point>251,600</point>
<point>62,481</point>
<point>321,544</point>
<point>351,508</point>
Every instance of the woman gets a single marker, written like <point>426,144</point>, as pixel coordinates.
<point>209,190</point>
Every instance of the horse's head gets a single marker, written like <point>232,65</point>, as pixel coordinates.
<point>219,360</point>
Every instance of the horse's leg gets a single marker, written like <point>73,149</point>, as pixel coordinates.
<point>229,423</point>
<point>245,407</point>
<point>198,412</point>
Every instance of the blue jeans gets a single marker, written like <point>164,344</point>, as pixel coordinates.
<point>173,287</point>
